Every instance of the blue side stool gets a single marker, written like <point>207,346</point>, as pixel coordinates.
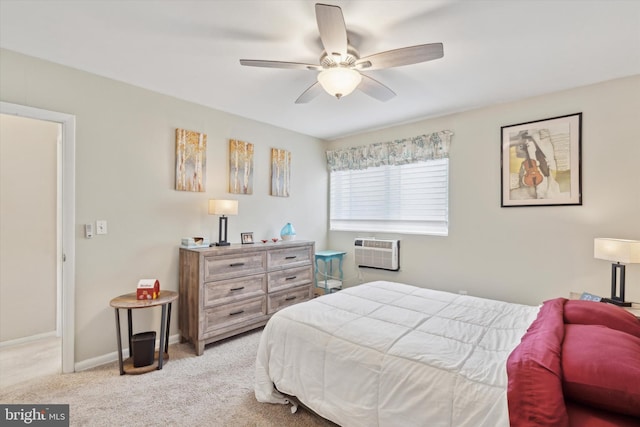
<point>324,279</point>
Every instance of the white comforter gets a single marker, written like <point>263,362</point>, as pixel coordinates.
<point>389,354</point>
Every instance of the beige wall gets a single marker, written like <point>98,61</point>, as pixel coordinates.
<point>525,254</point>
<point>125,174</point>
<point>28,193</point>
<point>125,170</point>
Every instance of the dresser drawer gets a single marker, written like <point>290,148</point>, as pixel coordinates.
<point>234,314</point>
<point>282,299</point>
<point>229,266</point>
<point>289,257</point>
<point>292,277</point>
<point>232,290</point>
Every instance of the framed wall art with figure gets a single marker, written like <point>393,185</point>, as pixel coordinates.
<point>541,162</point>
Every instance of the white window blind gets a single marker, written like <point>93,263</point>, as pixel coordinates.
<point>410,198</point>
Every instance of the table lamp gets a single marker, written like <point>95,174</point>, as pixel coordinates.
<point>621,252</point>
<point>223,208</point>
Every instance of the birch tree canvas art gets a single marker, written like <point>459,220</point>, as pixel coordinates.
<point>240,167</point>
<point>280,172</point>
<point>191,160</point>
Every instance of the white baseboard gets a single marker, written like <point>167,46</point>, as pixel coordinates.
<point>112,357</point>
<point>24,340</point>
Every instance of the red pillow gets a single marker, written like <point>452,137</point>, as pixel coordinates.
<point>586,416</point>
<point>601,368</point>
<point>534,390</point>
<point>598,313</point>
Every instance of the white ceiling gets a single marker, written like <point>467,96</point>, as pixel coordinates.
<point>494,51</point>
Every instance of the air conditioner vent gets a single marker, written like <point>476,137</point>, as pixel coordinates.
<point>373,253</point>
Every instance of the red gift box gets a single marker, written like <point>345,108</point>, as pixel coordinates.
<point>148,289</point>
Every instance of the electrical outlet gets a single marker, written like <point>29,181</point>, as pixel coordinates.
<point>101,226</point>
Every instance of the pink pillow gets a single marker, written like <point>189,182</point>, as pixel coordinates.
<point>601,368</point>
<point>534,390</point>
<point>598,313</point>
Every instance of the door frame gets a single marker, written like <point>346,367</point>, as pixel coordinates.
<point>65,258</point>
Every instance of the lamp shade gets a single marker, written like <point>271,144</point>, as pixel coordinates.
<point>617,250</point>
<point>339,81</point>
<point>223,207</point>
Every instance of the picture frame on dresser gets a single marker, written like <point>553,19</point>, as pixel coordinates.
<point>540,162</point>
<point>246,238</point>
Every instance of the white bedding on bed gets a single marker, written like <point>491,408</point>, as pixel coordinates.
<point>389,354</point>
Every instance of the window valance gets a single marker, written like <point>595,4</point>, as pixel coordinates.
<point>402,151</point>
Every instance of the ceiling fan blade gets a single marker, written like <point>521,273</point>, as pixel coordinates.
<point>279,64</point>
<point>333,31</point>
<point>313,91</point>
<point>402,56</point>
<point>375,89</point>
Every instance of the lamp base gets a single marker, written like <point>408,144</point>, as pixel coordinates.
<point>616,302</point>
<point>617,298</point>
<point>222,244</point>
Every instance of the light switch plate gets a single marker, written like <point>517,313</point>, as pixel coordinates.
<point>101,226</point>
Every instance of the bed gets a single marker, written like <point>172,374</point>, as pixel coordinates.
<point>389,354</point>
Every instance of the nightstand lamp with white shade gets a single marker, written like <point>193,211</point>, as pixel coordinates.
<point>621,252</point>
<point>223,208</point>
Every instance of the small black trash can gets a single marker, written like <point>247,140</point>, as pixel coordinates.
<point>143,348</point>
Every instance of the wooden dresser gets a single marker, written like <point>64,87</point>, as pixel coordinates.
<point>231,289</point>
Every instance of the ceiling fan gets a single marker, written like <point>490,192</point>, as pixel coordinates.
<point>340,64</point>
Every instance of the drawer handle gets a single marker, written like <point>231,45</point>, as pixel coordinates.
<point>237,289</point>
<point>289,298</point>
<point>291,257</point>
<point>236,264</point>
<point>290,277</point>
<point>236,312</point>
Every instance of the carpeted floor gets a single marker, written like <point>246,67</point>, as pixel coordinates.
<point>215,389</point>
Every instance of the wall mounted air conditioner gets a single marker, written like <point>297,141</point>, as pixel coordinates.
<point>374,253</point>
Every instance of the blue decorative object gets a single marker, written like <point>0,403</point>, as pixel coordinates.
<point>288,232</point>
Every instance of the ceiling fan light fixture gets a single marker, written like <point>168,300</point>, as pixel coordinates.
<point>340,63</point>
<point>339,81</point>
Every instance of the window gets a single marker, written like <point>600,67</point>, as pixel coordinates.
<point>400,186</point>
<point>409,198</point>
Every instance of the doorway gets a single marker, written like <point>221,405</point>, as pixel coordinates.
<point>64,252</point>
